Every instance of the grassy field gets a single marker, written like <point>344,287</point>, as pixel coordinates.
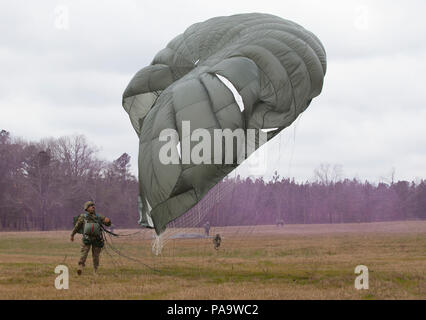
<point>259,262</point>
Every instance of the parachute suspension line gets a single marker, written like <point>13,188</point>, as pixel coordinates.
<point>188,227</point>
<point>198,223</point>
<point>233,232</point>
<point>217,203</point>
<point>127,235</point>
<point>248,230</point>
<point>281,137</point>
<point>196,215</point>
<point>198,211</point>
<point>116,264</point>
<point>158,243</point>
<point>117,251</point>
<point>233,193</point>
<point>280,218</point>
<point>111,247</point>
<point>294,142</point>
<point>118,235</point>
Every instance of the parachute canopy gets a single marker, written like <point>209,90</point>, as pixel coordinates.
<point>276,66</point>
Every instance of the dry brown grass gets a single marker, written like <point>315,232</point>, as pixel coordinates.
<point>262,262</point>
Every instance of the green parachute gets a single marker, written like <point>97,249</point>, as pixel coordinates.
<point>276,66</point>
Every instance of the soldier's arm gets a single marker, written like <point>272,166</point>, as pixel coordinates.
<point>107,222</point>
<point>77,226</point>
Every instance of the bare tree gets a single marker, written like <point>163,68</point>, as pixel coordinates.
<point>390,177</point>
<point>75,154</point>
<point>327,174</point>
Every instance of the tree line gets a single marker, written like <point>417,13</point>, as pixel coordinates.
<point>44,184</point>
<point>282,200</point>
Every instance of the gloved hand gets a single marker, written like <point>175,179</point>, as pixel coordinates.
<point>107,222</point>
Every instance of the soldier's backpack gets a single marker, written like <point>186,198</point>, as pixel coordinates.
<point>90,227</point>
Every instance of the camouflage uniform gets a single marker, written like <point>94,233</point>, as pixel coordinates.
<point>207,228</point>
<point>96,243</point>
<point>216,241</point>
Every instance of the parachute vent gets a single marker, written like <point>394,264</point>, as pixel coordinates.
<point>234,91</point>
<point>269,130</point>
<point>178,150</point>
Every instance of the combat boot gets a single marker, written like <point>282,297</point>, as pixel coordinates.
<point>80,269</point>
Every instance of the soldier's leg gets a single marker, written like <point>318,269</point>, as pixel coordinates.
<point>96,252</point>
<point>84,251</point>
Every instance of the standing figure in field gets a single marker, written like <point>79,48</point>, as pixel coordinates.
<point>89,224</point>
<point>207,228</point>
<point>216,241</point>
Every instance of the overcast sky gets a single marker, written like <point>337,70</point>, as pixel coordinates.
<point>64,66</point>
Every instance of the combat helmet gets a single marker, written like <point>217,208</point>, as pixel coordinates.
<point>87,204</point>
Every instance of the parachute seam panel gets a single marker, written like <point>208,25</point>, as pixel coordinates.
<point>226,106</point>
<point>301,59</point>
<point>177,51</point>
<point>231,103</point>
<point>210,101</point>
<point>152,151</point>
